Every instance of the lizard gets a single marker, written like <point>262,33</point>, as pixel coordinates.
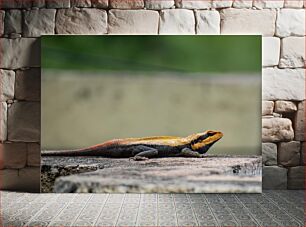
<point>195,145</point>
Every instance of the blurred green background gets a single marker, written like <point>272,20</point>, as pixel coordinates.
<point>96,88</point>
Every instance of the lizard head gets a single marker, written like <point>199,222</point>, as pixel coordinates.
<point>201,142</point>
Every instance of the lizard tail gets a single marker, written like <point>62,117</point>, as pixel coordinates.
<point>80,152</point>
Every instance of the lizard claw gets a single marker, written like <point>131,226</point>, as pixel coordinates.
<point>138,158</point>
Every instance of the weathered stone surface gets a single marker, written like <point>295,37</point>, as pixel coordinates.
<point>303,160</point>
<point>24,122</point>
<point>299,122</point>
<point>19,53</point>
<point>267,108</point>
<point>26,179</point>
<point>13,22</point>
<point>293,4</point>
<point>39,22</point>
<point>274,177</point>
<point>3,121</point>
<point>38,3</point>
<point>81,21</point>
<point>248,21</point>
<point>80,3</point>
<point>133,22</point>
<point>208,22</point>
<point>221,3</point>
<point>2,14</point>
<point>270,51</point>
<point>269,154</point>
<point>276,129</point>
<point>261,4</point>
<point>55,4</point>
<point>27,86</point>
<point>191,4</point>
<point>126,4</point>
<point>242,4</point>
<point>13,155</point>
<point>15,4</point>
<point>296,177</point>
<point>178,21</point>
<point>290,22</point>
<point>289,153</point>
<point>7,81</point>
<point>285,106</point>
<point>293,52</point>
<point>283,84</point>
<point>99,3</point>
<point>33,158</point>
<point>159,4</point>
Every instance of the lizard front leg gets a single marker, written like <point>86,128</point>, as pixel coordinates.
<point>187,152</point>
<point>144,153</point>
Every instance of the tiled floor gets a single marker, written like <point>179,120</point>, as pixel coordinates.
<point>271,208</point>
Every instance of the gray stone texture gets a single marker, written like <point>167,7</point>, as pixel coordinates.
<point>208,22</point>
<point>7,81</point>
<point>81,21</point>
<point>293,4</point>
<point>38,3</point>
<point>285,106</point>
<point>296,177</point>
<point>221,4</point>
<point>27,85</point>
<point>267,108</point>
<point>126,4</point>
<point>2,14</point>
<point>303,160</point>
<point>3,121</point>
<point>39,22</point>
<point>274,177</point>
<point>159,4</point>
<point>55,4</point>
<point>277,129</point>
<point>290,22</point>
<point>15,4</point>
<point>24,122</point>
<point>33,157</point>
<point>299,122</point>
<point>269,154</point>
<point>13,155</point>
<point>292,52</point>
<point>80,3</point>
<point>191,4</point>
<point>270,51</point>
<point>240,4</point>
<point>13,22</point>
<point>99,3</point>
<point>262,4</point>
<point>289,153</point>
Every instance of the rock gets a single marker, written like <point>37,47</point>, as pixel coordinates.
<point>159,4</point>
<point>126,4</point>
<point>7,81</point>
<point>177,21</point>
<point>289,154</point>
<point>81,21</point>
<point>2,14</point>
<point>221,3</point>
<point>208,22</point>
<point>270,51</point>
<point>38,4</point>
<point>290,22</point>
<point>242,4</point>
<point>33,157</point>
<point>299,122</point>
<point>133,22</point>
<point>191,4</point>
<point>293,4</point>
<point>3,121</point>
<point>13,22</point>
<point>13,155</point>
<point>99,3</point>
<point>248,21</point>
<point>55,4</point>
<point>303,160</point>
<point>269,154</point>
<point>276,130</point>
<point>15,4</point>
<point>296,177</point>
<point>285,106</point>
<point>261,4</point>
<point>17,52</point>
<point>293,52</point>
<point>267,108</point>
<point>39,22</point>
<point>27,86</point>
<point>24,122</point>
<point>283,84</point>
<point>274,177</point>
<point>80,3</point>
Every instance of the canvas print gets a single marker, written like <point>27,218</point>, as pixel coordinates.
<point>151,114</point>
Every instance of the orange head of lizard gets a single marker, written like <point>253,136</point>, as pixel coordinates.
<point>201,142</point>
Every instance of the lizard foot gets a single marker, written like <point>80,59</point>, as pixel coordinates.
<point>139,158</point>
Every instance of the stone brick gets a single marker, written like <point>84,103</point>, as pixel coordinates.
<point>38,3</point>
<point>15,4</point>
<point>80,3</point>
<point>7,81</point>
<point>276,130</point>
<point>267,107</point>
<point>2,15</point>
<point>13,22</point>
<point>221,3</point>
<point>269,154</point>
<point>133,22</point>
<point>248,21</point>
<point>33,154</point>
<point>24,122</point>
<point>293,52</point>
<point>274,177</point>
<point>56,4</point>
<point>81,21</point>
<point>270,51</point>
<point>177,21</point>
<point>99,3</point>
<point>293,4</point>
<point>26,179</point>
<point>285,106</point>
<point>261,4</point>
<point>27,86</point>
<point>299,122</point>
<point>289,153</point>
<point>19,53</point>
<point>159,4</point>
<point>39,22</point>
<point>13,155</point>
<point>296,177</point>
<point>242,4</point>
<point>126,4</point>
<point>290,22</point>
<point>283,84</point>
<point>208,22</point>
<point>303,160</point>
<point>192,4</point>
<point>3,121</point>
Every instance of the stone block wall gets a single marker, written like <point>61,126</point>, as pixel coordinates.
<point>281,22</point>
